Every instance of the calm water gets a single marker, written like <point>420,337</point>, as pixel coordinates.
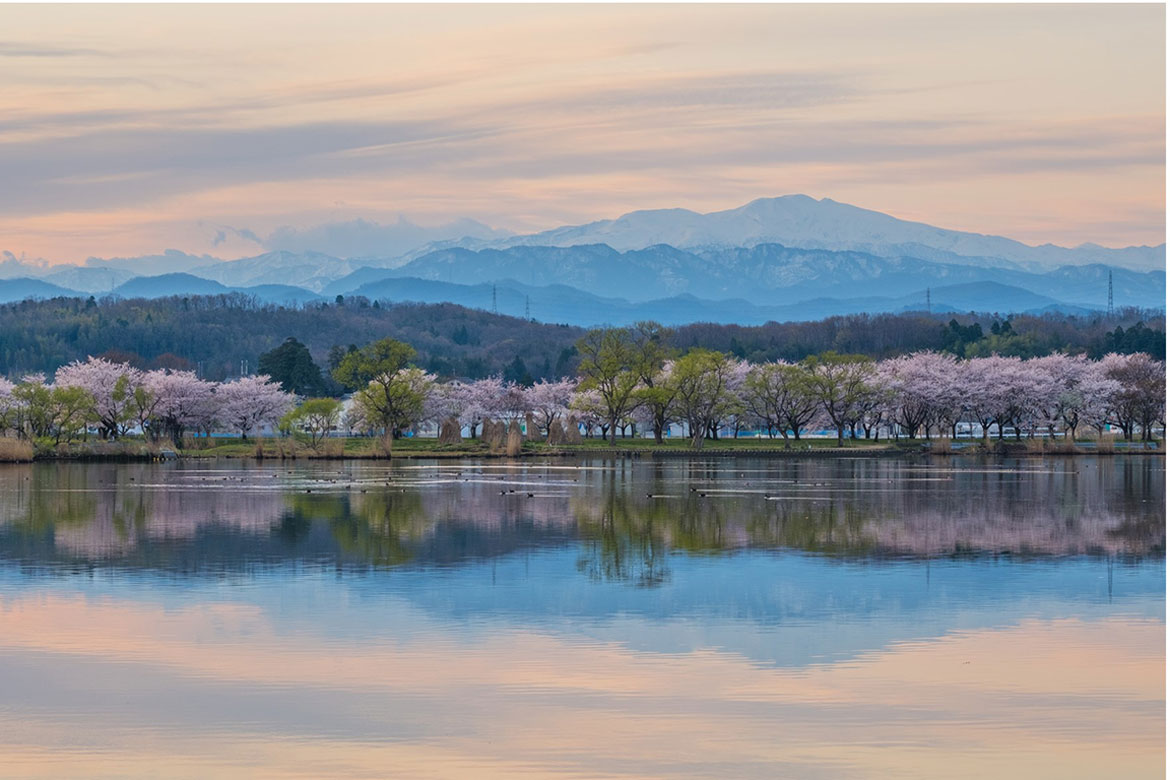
<point>849,618</point>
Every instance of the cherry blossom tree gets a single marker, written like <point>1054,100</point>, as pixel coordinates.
<point>1090,399</point>
<point>546,400</point>
<point>919,390</point>
<point>591,410</point>
<point>1141,399</point>
<point>1076,391</point>
<point>1006,392</point>
<point>476,400</point>
<point>444,401</point>
<point>511,403</point>
<point>251,402</point>
<point>736,414</point>
<point>112,387</point>
<point>779,395</point>
<point>182,401</point>
<point>9,407</point>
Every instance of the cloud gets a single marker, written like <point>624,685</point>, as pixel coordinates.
<point>365,238</point>
<point>12,49</point>
<point>675,126</point>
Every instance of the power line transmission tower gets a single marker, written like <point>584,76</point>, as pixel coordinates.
<point>1109,308</point>
<point>527,311</point>
<point>494,309</point>
<point>928,300</point>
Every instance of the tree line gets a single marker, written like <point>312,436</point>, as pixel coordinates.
<point>628,379</point>
<point>224,336</point>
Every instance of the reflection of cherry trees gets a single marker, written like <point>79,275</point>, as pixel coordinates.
<point>627,518</point>
<point>100,511</point>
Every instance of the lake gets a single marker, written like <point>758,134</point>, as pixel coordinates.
<point>719,617</point>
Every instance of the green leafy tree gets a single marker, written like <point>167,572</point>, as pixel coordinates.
<point>395,400</point>
<point>651,351</point>
<point>316,417</point>
<point>841,384</point>
<point>609,365</point>
<point>71,410</point>
<point>389,393</point>
<point>34,400</point>
<point>360,366</point>
<point>702,380</point>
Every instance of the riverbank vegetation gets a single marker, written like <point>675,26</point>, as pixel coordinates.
<point>630,380</point>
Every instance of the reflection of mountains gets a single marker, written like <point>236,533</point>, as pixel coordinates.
<point>197,519</point>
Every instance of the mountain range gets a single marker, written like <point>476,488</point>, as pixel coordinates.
<point>791,257</point>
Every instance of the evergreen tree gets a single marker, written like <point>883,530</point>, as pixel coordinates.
<point>292,366</point>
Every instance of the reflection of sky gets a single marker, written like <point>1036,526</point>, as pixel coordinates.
<point>314,676</point>
<point>779,609</point>
<point>521,653</point>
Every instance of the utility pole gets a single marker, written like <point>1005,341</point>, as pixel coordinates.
<point>1109,308</point>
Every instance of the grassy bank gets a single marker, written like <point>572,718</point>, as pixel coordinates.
<point>132,449</point>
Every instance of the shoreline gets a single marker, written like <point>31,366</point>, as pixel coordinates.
<point>727,449</point>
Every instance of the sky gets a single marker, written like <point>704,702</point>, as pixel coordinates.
<point>126,130</point>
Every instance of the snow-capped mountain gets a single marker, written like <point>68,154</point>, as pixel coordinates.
<point>774,251</point>
<point>310,270</point>
<point>801,221</point>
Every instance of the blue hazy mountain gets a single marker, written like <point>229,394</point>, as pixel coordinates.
<point>167,285</point>
<point>564,304</point>
<point>767,274</point>
<point>22,288</point>
<point>559,303</point>
<point>773,258</point>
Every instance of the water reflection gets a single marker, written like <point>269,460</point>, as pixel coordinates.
<point>861,618</point>
<point>628,517</point>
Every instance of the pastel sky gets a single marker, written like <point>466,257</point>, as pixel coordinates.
<point>125,130</point>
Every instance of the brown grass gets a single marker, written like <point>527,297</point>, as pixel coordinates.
<point>1105,444</point>
<point>15,450</point>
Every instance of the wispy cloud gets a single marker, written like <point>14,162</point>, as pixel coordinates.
<point>568,113</point>
<point>16,49</point>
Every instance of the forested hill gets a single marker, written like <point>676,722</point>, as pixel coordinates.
<point>221,334</point>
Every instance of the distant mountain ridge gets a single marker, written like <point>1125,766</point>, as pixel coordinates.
<point>764,274</point>
<point>791,256</point>
<point>568,305</point>
<point>801,221</point>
